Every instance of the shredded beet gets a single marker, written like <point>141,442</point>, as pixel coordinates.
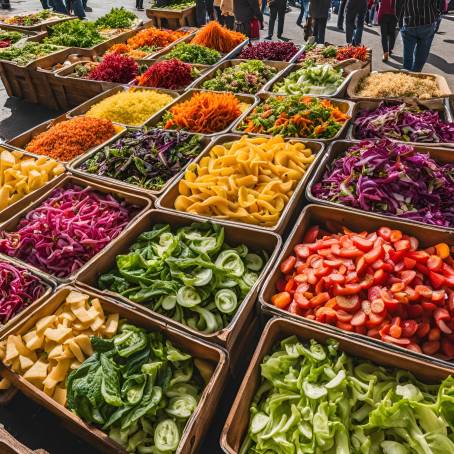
<point>117,68</point>
<point>171,74</point>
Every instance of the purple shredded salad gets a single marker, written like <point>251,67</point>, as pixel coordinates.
<point>404,123</point>
<point>269,50</point>
<point>18,289</point>
<point>67,230</point>
<point>391,178</point>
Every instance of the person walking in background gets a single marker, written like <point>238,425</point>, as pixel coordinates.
<point>139,5</point>
<point>224,13</point>
<point>355,12</point>
<point>245,11</point>
<point>387,20</point>
<point>277,10</point>
<point>419,22</point>
<point>319,11</point>
<point>203,9</point>
<point>303,13</point>
<point>264,8</point>
<point>341,15</point>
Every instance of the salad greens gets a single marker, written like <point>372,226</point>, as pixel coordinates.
<point>172,4</point>
<point>116,18</point>
<point>311,79</point>
<point>138,387</point>
<point>189,274</point>
<point>391,178</point>
<point>147,158</point>
<point>74,33</point>
<point>28,53</point>
<point>247,77</point>
<point>316,399</point>
<point>8,38</point>
<point>194,53</point>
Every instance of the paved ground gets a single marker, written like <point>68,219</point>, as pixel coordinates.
<point>17,116</point>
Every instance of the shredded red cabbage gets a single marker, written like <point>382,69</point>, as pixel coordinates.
<point>67,230</point>
<point>269,50</point>
<point>391,178</point>
<point>404,123</point>
<point>18,289</point>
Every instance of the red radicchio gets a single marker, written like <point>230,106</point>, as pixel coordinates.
<point>171,74</point>
<point>117,68</point>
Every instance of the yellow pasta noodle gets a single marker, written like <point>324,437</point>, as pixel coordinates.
<point>249,180</point>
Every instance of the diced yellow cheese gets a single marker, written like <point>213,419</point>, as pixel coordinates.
<point>7,159</point>
<point>75,364</point>
<point>27,165</point>
<point>4,197</point>
<point>49,385</point>
<point>15,197</point>
<point>21,348</point>
<point>17,154</point>
<point>111,325</point>
<point>11,350</point>
<point>83,341</point>
<point>56,352</point>
<point>15,366</point>
<point>76,297</point>
<point>34,341</point>
<point>37,372</point>
<point>59,372</point>
<point>67,354</point>
<point>74,347</point>
<point>2,349</point>
<point>5,383</point>
<point>35,180</point>
<point>25,362</point>
<point>60,395</point>
<point>58,334</point>
<point>58,169</point>
<point>97,323</point>
<point>44,323</point>
<point>67,316</point>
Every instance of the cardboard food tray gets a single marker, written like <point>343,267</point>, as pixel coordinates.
<point>329,217</point>
<point>197,424</point>
<point>277,329</point>
<point>21,141</point>
<point>344,105</point>
<point>140,201</point>
<point>155,120</point>
<point>278,65</point>
<point>337,149</point>
<point>440,105</point>
<point>40,26</point>
<point>348,66</point>
<point>86,106</point>
<point>167,200</point>
<point>359,75</point>
<point>74,167</point>
<point>234,235</point>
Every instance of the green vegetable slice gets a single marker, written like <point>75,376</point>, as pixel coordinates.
<point>253,262</point>
<point>226,301</point>
<point>250,278</point>
<point>231,262</point>
<point>188,297</point>
<point>259,422</point>
<point>168,302</point>
<point>203,277</point>
<point>166,436</point>
<point>181,406</point>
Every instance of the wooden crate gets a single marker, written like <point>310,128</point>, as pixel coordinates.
<point>173,19</point>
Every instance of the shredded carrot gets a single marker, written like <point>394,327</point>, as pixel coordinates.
<point>204,112</point>
<point>154,37</point>
<point>215,36</point>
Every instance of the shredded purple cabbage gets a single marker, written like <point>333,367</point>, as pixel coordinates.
<point>404,123</point>
<point>269,50</point>
<point>67,230</point>
<point>18,289</point>
<point>391,178</point>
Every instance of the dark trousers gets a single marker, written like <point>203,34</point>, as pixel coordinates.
<point>226,21</point>
<point>202,8</point>
<point>388,25</point>
<point>277,11</point>
<point>341,14</point>
<point>319,29</point>
<point>354,23</point>
<point>139,4</point>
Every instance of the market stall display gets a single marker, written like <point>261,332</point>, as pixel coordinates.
<point>83,220</point>
<point>205,112</point>
<point>8,38</point>
<point>22,173</point>
<point>30,52</point>
<point>130,107</point>
<point>117,18</point>
<point>215,36</point>
<point>297,116</point>
<point>389,178</point>
<point>240,76</point>
<point>34,20</point>
<point>329,54</point>
<point>75,33</point>
<point>147,158</point>
<point>269,50</point>
<point>68,139</point>
<point>188,274</point>
<point>262,177</point>
<point>403,122</point>
<point>193,53</point>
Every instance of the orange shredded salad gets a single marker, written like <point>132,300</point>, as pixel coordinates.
<point>215,36</point>
<point>124,49</point>
<point>204,112</point>
<point>69,139</point>
<point>154,37</point>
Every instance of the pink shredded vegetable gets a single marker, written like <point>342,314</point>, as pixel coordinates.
<point>67,230</point>
<point>18,289</point>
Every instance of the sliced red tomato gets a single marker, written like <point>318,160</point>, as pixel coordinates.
<point>414,310</point>
<point>301,300</point>
<point>431,347</point>
<point>385,233</point>
<point>398,341</point>
<point>311,234</point>
<point>302,251</point>
<point>375,254</point>
<point>344,326</point>
<point>343,316</point>
<point>409,328</point>
<point>409,263</point>
<point>423,329</point>
<point>435,263</point>
<point>349,303</point>
<point>377,306</point>
<point>359,319</point>
<point>281,300</point>
<point>288,264</point>
<point>447,348</point>
<point>375,320</point>
<point>396,235</point>
<point>402,245</point>
<point>362,243</point>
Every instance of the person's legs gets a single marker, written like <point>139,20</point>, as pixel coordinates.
<point>341,14</point>
<point>210,8</point>
<point>44,4</point>
<point>78,8</point>
<point>229,22</point>
<point>273,15</point>
<point>200,12</point>
<point>321,29</point>
<point>392,32</point>
<point>409,41</point>
<point>265,12</point>
<point>359,27</point>
<point>301,15</point>
<point>425,36</point>
<point>59,7</point>
<point>350,17</point>
<point>281,18</point>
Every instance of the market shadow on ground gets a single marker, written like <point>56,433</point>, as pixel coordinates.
<point>441,63</point>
